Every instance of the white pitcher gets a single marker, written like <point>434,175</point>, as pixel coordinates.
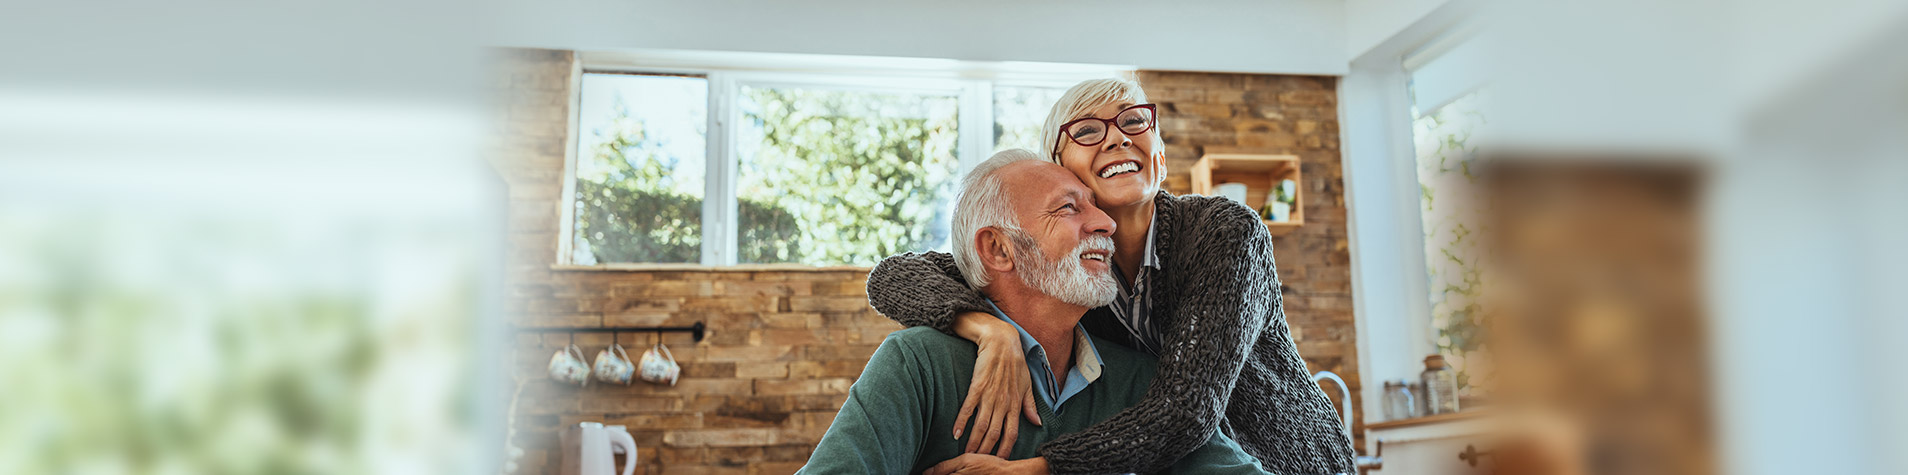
<point>596,449</point>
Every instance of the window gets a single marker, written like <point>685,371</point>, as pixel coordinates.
<point>1447,92</point>
<point>640,169</point>
<point>844,177</point>
<point>1019,111</point>
<point>1446,157</point>
<point>728,167</point>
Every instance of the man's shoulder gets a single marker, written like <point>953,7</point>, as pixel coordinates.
<point>928,341</point>
<point>921,336</point>
<point>922,355</point>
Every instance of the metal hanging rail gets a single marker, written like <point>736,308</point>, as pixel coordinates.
<point>698,330</point>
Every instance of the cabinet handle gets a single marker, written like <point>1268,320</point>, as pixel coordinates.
<point>1470,455</point>
<point>1375,461</point>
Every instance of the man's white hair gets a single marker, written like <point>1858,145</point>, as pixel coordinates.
<point>1081,100</point>
<point>981,204</point>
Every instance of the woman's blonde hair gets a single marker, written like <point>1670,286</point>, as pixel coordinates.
<point>1082,99</point>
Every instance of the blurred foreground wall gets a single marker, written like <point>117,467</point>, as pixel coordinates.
<point>241,239</point>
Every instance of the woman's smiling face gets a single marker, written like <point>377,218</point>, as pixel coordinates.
<point>1121,170</point>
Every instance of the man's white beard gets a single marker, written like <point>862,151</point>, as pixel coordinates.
<point>1065,278</point>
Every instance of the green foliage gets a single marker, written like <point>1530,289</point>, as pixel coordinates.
<point>169,342</point>
<point>844,177</point>
<point>1019,111</point>
<point>624,223</point>
<point>1445,161</point>
<point>769,233</point>
<point>627,206</point>
<point>825,178</point>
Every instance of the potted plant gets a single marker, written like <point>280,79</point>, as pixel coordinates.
<point>1278,203</point>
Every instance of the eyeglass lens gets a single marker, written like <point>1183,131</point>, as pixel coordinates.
<point>1130,121</point>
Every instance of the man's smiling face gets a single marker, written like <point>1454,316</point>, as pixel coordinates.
<point>1071,254</point>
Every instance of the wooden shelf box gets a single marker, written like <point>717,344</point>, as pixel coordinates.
<point>1259,173</point>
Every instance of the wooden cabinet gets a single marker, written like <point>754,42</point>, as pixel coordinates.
<point>1259,173</point>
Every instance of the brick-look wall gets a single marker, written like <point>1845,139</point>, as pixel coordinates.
<point>755,395</point>
<point>1291,115</point>
<point>784,346</point>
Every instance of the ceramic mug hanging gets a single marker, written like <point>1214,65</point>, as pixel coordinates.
<point>613,365</point>
<point>658,366</point>
<point>567,366</point>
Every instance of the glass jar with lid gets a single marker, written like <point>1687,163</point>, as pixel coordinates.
<point>1440,387</point>
<point>1399,404</point>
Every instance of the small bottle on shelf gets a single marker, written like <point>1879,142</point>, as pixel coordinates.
<point>1440,387</point>
<point>1399,403</point>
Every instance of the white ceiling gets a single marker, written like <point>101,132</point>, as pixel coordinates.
<point>1262,36</point>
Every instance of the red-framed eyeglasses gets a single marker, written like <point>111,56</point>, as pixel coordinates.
<point>1090,131</point>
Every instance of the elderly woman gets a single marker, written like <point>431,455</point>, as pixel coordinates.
<point>1198,290</point>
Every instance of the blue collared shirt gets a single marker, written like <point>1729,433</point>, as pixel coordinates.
<point>1086,363</point>
<point>1134,306</point>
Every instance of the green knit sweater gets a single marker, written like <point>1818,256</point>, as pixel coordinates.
<point>899,417</point>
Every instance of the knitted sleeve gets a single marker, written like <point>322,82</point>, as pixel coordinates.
<point>922,290</point>
<point>1223,291</point>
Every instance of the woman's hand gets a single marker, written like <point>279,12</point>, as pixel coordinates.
<point>1002,387</point>
<point>986,464</point>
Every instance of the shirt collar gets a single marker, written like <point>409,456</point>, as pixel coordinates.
<point>1152,226</point>
<point>1086,358</point>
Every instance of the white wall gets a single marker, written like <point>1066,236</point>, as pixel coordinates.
<point>1810,322</point>
<point>1778,42</point>
<point>1797,105</point>
<point>1389,297</point>
<point>1256,36</point>
<point>1370,22</point>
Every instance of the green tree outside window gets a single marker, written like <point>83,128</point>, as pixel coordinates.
<point>1447,160</point>
<point>824,176</point>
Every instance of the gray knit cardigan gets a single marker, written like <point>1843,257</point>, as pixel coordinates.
<point>1227,360</point>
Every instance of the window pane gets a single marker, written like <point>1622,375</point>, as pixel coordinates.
<point>1451,215</point>
<point>1018,114</point>
<point>833,177</point>
<point>639,169</point>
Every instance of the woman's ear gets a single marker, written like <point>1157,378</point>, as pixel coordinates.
<point>996,250</point>
<point>1159,164</point>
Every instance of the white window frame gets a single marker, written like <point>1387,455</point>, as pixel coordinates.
<point>972,83</point>
<point>1391,300</point>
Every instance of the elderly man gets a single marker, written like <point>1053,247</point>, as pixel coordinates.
<point>1029,238</point>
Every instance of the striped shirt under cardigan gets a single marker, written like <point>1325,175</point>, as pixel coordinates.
<point>1132,309</point>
